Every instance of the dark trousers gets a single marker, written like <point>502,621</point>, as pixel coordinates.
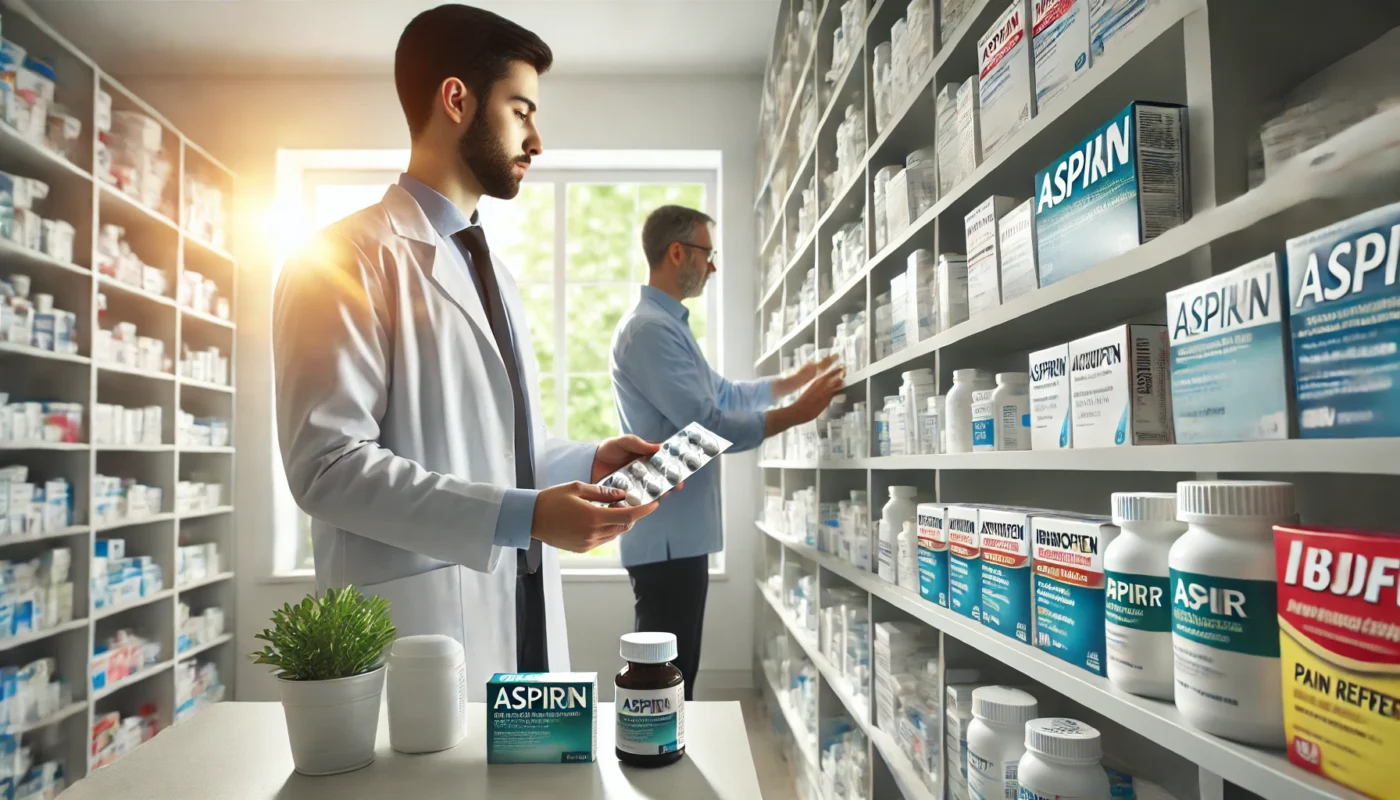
<point>531,641</point>
<point>670,598</point>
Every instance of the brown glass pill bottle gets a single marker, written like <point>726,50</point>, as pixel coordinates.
<point>650,701</point>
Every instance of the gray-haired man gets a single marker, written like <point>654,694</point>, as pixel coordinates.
<point>662,383</point>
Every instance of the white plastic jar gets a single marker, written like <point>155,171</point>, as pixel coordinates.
<point>931,427</point>
<point>918,386</point>
<point>996,740</point>
<point>1224,607</point>
<point>1011,407</point>
<point>427,693</point>
<point>900,509</point>
<point>958,408</point>
<point>1061,762</point>
<point>1138,601</point>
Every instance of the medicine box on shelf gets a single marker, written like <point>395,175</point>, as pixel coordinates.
<point>1067,551</point>
<point>1123,185</point>
<point>1118,387</point>
<point>1005,93</point>
<point>1060,43</point>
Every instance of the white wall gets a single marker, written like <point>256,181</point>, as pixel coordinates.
<point>244,123</point>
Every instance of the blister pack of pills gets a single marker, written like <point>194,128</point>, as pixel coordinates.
<point>681,456</point>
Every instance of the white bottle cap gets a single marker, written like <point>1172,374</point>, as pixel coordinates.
<point>648,648</point>
<point>1199,501</point>
<point>1064,739</point>
<point>968,375</point>
<point>1013,377</point>
<point>858,497</point>
<point>1003,705</point>
<point>918,376</point>
<point>903,491</point>
<point>43,303</point>
<point>1143,507</point>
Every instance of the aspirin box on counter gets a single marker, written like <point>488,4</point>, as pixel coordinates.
<point>1339,645</point>
<point>1118,387</point>
<point>1004,538</point>
<point>542,718</point>
<point>1016,244</point>
<point>933,553</point>
<point>1051,422</point>
<point>983,257</point>
<point>964,562</point>
<point>1067,552</point>
<point>1344,313</point>
<point>682,455</point>
<point>1060,35</point>
<point>1227,356</point>
<point>1123,185</point>
<point>1005,96</point>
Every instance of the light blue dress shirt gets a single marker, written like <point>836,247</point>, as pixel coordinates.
<point>518,506</point>
<point>662,383</point>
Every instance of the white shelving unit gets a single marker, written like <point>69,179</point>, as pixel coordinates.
<point>1209,55</point>
<point>162,239</point>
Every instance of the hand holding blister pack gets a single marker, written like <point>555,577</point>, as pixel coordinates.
<point>682,455</point>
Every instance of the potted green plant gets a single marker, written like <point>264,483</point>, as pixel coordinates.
<point>328,652</point>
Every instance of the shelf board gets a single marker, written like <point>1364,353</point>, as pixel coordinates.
<point>133,679</point>
<point>206,385</point>
<point>52,719</point>
<point>43,355</point>
<point>112,611</point>
<point>1264,772</point>
<point>29,638</point>
<point>73,530</point>
<point>208,512</point>
<point>207,247</point>
<point>34,155</point>
<point>787,339</point>
<point>128,523</point>
<point>134,448</point>
<point>65,446</point>
<point>213,579</point>
<point>121,369</point>
<point>135,205</point>
<point>11,252</point>
<point>210,319</point>
<point>840,293</point>
<point>203,648</point>
<point>783,464</point>
<point>200,449</point>
<point>839,198</point>
<point>108,282</point>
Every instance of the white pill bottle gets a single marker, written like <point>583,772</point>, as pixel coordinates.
<point>996,740</point>
<point>1061,762</point>
<point>1011,409</point>
<point>958,408</point>
<point>1138,601</point>
<point>1225,606</point>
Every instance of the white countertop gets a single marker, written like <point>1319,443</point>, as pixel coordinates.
<point>239,751</point>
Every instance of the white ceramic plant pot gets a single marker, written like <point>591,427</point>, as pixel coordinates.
<point>332,724</point>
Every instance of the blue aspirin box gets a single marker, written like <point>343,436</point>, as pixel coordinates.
<point>1344,309</point>
<point>933,552</point>
<point>1229,382</point>
<point>542,718</point>
<point>1123,185</point>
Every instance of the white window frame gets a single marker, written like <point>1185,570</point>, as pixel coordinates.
<point>300,171</point>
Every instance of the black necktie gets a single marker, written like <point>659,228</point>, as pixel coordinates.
<point>474,240</point>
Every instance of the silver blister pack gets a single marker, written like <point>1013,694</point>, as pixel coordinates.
<point>680,456</point>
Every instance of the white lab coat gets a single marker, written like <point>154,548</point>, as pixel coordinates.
<point>395,418</point>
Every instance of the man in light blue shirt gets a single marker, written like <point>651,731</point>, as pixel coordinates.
<point>662,383</point>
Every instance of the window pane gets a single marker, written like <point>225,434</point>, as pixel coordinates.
<point>591,413</point>
<point>602,231</point>
<point>335,201</point>
<point>522,232</point>
<point>593,314</point>
<point>539,314</point>
<point>549,404</point>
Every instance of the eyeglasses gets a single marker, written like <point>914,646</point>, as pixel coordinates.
<point>710,253</point>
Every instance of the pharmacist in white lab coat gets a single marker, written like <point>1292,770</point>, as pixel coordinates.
<point>407,401</point>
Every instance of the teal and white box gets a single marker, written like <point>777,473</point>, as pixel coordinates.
<point>1111,20</point>
<point>1344,314</point>
<point>1005,94</point>
<point>964,562</point>
<point>1004,539</point>
<point>1051,425</point>
<point>1060,36</point>
<point>933,552</point>
<point>542,718</point>
<point>1124,185</point>
<point>1228,377</point>
<point>1067,552</point>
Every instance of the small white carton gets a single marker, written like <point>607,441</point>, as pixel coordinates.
<point>951,278</point>
<point>983,254</point>
<point>1060,30</point>
<point>969,129</point>
<point>1005,92</point>
<point>1118,387</point>
<point>1016,239</point>
<point>1051,426</point>
<point>1111,20</point>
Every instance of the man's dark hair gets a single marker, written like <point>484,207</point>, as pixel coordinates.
<point>457,41</point>
<point>669,224</point>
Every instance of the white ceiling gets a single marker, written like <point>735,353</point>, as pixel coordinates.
<point>334,38</point>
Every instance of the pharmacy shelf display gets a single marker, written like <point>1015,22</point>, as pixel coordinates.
<point>844,77</point>
<point>117,354</point>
